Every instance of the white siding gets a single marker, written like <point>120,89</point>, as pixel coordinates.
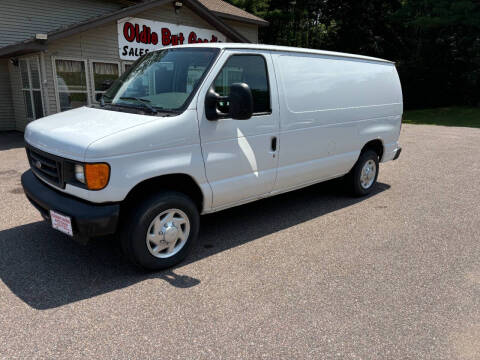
<point>250,31</point>
<point>7,120</point>
<point>167,13</point>
<point>22,19</point>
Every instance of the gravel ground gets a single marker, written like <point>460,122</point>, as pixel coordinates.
<point>312,274</point>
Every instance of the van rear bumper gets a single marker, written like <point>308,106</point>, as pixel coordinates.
<point>391,151</point>
<point>397,153</point>
<point>88,220</point>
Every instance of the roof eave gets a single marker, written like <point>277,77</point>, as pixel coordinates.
<point>215,21</point>
<point>33,45</point>
<point>259,22</point>
<point>26,47</point>
<point>98,21</point>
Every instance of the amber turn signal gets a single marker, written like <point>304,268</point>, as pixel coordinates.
<point>97,175</point>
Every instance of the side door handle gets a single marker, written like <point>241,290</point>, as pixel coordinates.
<point>274,143</point>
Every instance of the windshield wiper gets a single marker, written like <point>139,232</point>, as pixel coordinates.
<point>141,101</point>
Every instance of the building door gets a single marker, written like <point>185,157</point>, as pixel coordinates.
<point>241,155</point>
<point>32,87</point>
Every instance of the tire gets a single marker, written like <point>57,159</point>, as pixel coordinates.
<point>361,186</point>
<point>160,219</point>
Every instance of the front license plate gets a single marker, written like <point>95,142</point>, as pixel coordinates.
<point>61,223</point>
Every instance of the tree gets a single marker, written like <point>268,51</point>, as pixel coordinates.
<point>435,43</point>
<point>439,51</point>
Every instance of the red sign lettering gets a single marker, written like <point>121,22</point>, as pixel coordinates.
<point>128,32</point>
<point>192,38</point>
<point>145,35</point>
<point>166,34</point>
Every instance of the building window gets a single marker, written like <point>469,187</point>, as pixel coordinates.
<point>31,87</point>
<point>104,74</point>
<point>250,69</point>
<point>194,73</point>
<point>71,82</point>
<point>126,66</point>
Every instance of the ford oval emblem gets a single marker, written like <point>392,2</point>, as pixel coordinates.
<point>38,164</point>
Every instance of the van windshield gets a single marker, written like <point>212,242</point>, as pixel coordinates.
<point>162,80</point>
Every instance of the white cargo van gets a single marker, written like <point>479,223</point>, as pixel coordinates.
<point>195,129</point>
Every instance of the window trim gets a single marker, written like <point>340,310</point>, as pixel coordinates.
<point>87,79</point>
<point>92,77</point>
<point>125,63</point>
<point>31,89</point>
<point>260,113</point>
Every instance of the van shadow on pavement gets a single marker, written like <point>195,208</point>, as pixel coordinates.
<point>46,269</point>
<point>11,140</point>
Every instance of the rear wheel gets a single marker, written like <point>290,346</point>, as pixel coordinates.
<point>363,176</point>
<point>160,231</point>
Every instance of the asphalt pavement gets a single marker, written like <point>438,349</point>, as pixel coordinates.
<point>312,274</point>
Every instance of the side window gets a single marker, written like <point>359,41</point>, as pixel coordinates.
<point>250,69</point>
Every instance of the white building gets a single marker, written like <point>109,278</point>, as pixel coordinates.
<point>59,54</point>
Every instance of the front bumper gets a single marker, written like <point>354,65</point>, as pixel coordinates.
<point>88,220</point>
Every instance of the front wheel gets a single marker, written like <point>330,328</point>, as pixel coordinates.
<point>363,176</point>
<point>160,231</point>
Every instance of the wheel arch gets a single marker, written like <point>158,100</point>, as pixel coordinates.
<point>375,145</point>
<point>180,182</point>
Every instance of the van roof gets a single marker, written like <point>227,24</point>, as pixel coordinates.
<point>226,45</point>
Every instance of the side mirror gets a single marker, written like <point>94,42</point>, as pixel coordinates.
<point>240,103</point>
<point>98,97</point>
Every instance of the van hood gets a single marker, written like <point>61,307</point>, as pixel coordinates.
<point>69,134</point>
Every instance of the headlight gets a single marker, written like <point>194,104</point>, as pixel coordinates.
<point>79,173</point>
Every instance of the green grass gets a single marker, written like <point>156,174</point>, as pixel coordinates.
<point>449,116</point>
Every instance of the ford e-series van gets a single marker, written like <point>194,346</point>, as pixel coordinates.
<point>196,129</point>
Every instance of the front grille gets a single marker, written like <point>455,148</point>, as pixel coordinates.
<point>46,166</point>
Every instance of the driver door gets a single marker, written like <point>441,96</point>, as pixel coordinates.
<point>241,155</point>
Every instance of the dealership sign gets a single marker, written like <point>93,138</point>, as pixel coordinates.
<point>139,36</point>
